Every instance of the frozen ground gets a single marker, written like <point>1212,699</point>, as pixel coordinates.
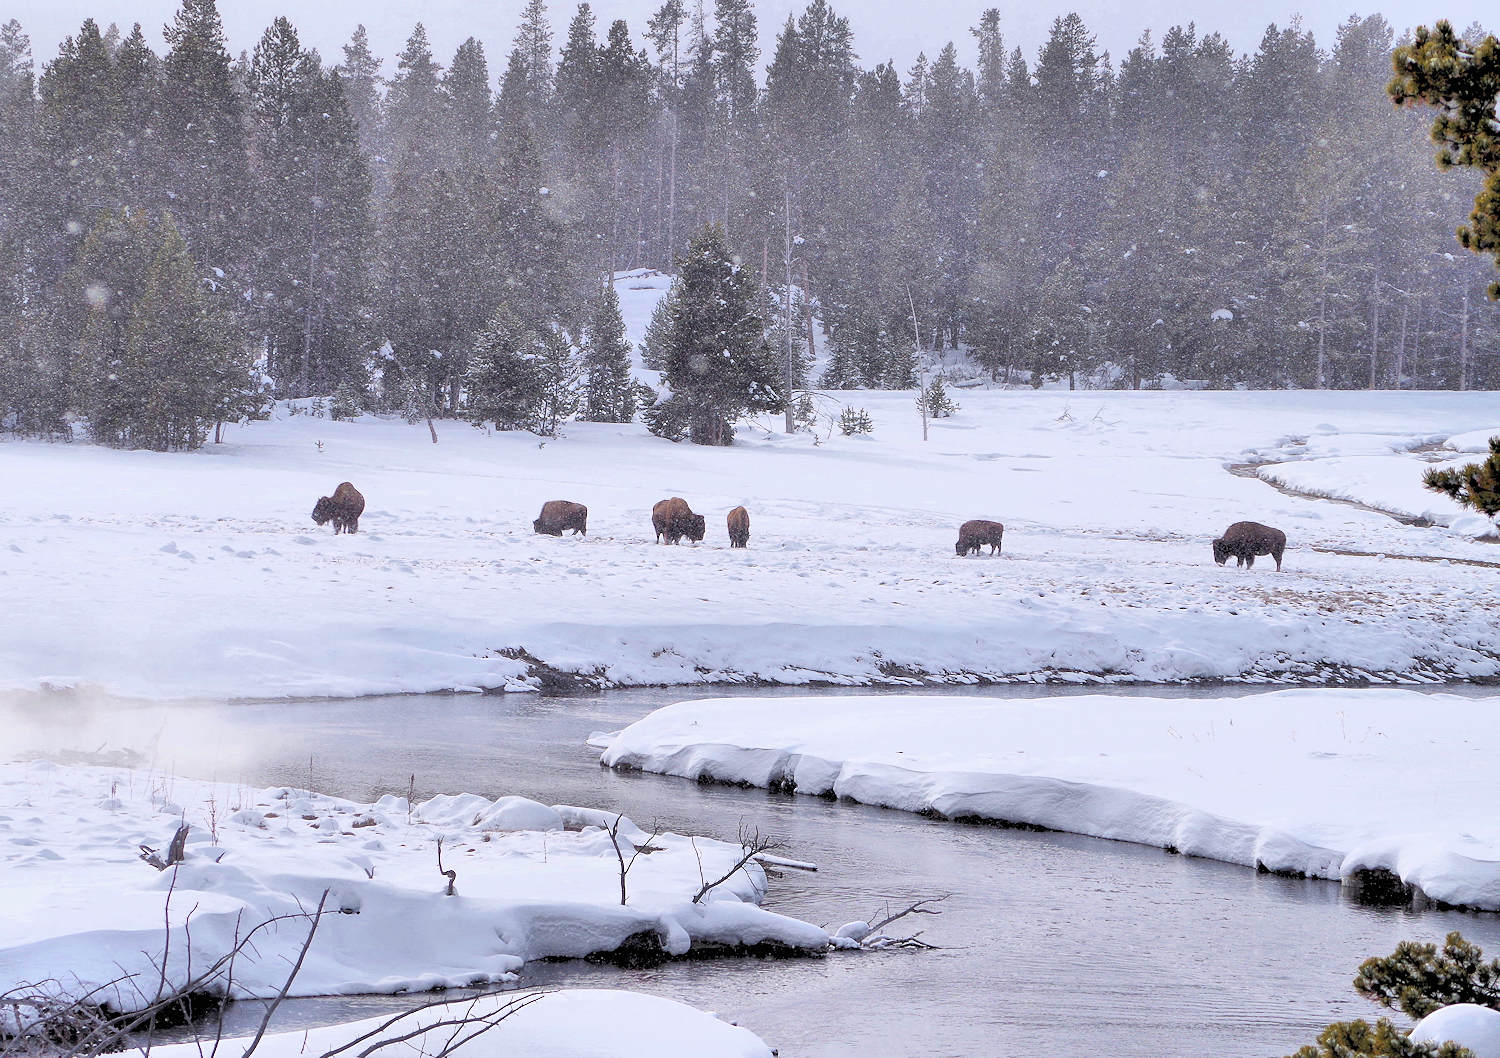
<point>1323,783</point>
<point>532,882</point>
<point>169,576</point>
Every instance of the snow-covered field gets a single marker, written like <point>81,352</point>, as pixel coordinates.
<point>1323,783</point>
<point>201,574</point>
<point>532,882</point>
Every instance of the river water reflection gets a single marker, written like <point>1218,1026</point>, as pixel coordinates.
<point>1050,944</point>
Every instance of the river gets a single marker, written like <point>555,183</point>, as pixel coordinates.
<point>1047,944</point>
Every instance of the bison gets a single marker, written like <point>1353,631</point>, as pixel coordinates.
<point>673,519</point>
<point>560,515</point>
<point>739,527</point>
<point>343,508</point>
<point>1245,540</point>
<point>973,535</point>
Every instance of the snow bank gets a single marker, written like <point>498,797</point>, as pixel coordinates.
<point>201,574</point>
<point>1381,471</point>
<point>1321,783</point>
<point>82,908</point>
<point>576,1023</point>
<point>1466,1024</point>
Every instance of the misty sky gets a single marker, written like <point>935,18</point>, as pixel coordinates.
<point>883,29</point>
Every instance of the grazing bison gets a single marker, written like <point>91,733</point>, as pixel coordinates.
<point>1245,540</point>
<point>973,535</point>
<point>343,508</point>
<point>559,515</point>
<point>739,527</point>
<point>673,519</point>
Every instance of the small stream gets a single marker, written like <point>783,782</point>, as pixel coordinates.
<point>1049,943</point>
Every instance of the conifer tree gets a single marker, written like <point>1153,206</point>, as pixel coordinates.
<point>714,354</point>
<point>1462,78</point>
<point>203,136</point>
<point>1417,979</point>
<point>609,392</point>
<point>521,376</point>
<point>157,361</point>
<point>360,73</point>
<point>1475,485</point>
<point>414,106</point>
<point>312,219</point>
<point>469,121</point>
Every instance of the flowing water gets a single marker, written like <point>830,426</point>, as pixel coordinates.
<point>1049,944</point>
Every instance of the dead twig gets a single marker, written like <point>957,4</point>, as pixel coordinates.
<point>450,873</point>
<point>752,844</point>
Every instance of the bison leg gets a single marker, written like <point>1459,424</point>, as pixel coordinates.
<point>1249,561</point>
<point>1277,556</point>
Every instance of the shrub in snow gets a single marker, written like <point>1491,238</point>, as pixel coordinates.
<point>349,401</point>
<point>855,421</point>
<point>1418,980</point>
<point>935,397</point>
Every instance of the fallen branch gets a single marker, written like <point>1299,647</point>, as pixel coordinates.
<point>752,845</point>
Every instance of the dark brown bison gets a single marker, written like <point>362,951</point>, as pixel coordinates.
<point>560,515</point>
<point>973,535</point>
<point>673,519</point>
<point>1245,540</point>
<point>739,527</point>
<point>343,508</point>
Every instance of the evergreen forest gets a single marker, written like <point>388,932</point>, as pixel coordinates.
<point>186,235</point>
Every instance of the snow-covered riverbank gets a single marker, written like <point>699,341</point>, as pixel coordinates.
<point>1324,783</point>
<point>572,1023</point>
<point>201,574</point>
<point>532,882</point>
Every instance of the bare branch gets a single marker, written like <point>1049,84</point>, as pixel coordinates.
<point>752,844</point>
<point>286,986</point>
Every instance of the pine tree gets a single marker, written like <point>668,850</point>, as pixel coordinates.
<point>1417,979</point>
<point>1462,78</point>
<point>312,219</point>
<point>1476,485</point>
<point>203,136</point>
<point>714,356</point>
<point>157,361</point>
<point>469,121</point>
<point>939,405</point>
<point>521,376</point>
<point>414,106</point>
<point>526,89</point>
<point>609,392</point>
<point>360,73</point>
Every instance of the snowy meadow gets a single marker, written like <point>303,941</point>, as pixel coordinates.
<point>170,576</point>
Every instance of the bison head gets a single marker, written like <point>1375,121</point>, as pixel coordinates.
<point>961,548</point>
<point>696,528</point>
<point>1221,551</point>
<point>324,510</point>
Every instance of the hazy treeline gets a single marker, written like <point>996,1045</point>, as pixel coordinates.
<point>1267,219</point>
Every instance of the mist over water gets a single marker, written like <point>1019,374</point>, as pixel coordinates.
<point>1048,944</point>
